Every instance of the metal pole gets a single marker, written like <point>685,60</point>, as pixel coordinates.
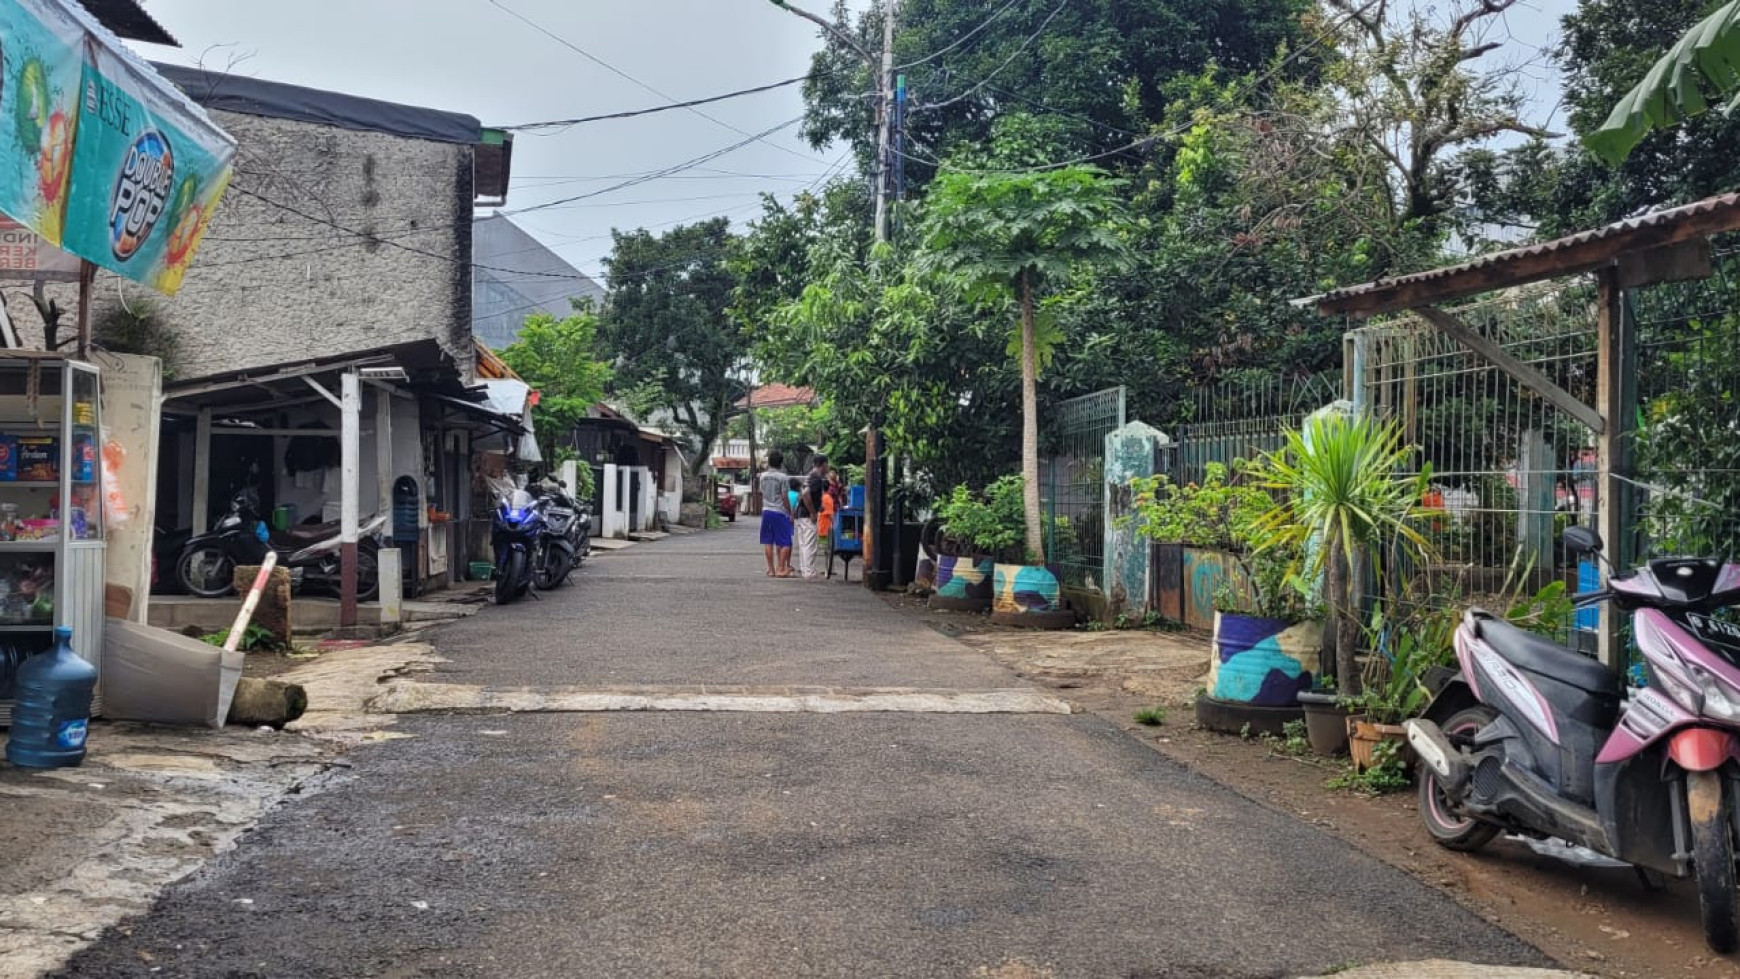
<point>1615,373</point>
<point>350,455</point>
<point>884,121</point>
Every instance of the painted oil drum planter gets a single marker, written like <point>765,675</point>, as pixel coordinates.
<point>1262,662</point>
<point>1029,595</point>
<point>963,584</point>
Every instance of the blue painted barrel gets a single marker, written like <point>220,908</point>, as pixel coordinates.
<point>1262,662</point>
<point>52,710</point>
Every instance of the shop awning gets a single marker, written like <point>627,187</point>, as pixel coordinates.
<point>101,156</point>
<point>484,413</point>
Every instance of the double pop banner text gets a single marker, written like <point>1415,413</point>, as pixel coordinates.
<point>99,155</point>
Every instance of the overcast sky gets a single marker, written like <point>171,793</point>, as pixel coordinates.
<point>474,56</point>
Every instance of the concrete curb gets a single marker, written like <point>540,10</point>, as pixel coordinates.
<point>406,697</point>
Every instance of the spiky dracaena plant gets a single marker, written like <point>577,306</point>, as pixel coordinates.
<point>1347,498</point>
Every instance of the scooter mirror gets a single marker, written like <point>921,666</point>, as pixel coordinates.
<point>1582,540</point>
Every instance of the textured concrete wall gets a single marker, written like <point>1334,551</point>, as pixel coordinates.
<point>270,285</point>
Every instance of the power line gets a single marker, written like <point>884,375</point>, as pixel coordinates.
<point>563,125</point>
<point>961,40</point>
<point>577,49</point>
<point>1006,62</point>
<point>1147,142</point>
<point>655,175</point>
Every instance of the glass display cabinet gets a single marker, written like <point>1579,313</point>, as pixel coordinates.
<point>51,510</point>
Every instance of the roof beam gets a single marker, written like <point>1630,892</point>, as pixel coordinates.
<point>1563,257</point>
<point>1505,361</point>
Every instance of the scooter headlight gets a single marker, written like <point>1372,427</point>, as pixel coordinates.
<point>1721,701</point>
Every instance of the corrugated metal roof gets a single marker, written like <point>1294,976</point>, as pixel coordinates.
<point>129,20</point>
<point>1617,230</point>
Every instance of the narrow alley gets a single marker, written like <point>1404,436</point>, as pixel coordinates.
<point>713,839</point>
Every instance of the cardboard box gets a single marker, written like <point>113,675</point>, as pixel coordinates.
<point>39,458</point>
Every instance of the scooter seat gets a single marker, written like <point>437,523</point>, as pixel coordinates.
<point>1538,654</point>
<point>310,532</point>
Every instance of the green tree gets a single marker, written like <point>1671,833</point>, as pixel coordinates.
<point>667,332</point>
<point>1008,236</point>
<point>557,357</point>
<point>1702,67</point>
<point>1100,69</point>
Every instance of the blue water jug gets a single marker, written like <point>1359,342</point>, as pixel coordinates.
<point>53,707</point>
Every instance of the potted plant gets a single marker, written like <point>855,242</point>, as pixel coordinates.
<point>1325,717</point>
<point>976,528</point>
<point>1391,693</point>
<point>1346,503</point>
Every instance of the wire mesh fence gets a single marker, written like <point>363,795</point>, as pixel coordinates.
<point>1685,499</point>
<point>1072,484</point>
<point>1508,469</point>
<point>1244,418</point>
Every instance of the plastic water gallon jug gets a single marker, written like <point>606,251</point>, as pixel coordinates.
<point>52,708</point>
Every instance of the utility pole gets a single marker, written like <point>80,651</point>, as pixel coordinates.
<point>875,465</point>
<point>885,122</point>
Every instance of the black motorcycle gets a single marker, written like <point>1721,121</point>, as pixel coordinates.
<point>515,531</point>
<point>310,551</point>
<point>566,540</point>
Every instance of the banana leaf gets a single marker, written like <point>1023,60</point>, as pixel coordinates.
<point>1704,64</point>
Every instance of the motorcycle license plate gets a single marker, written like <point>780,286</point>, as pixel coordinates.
<point>1721,634</point>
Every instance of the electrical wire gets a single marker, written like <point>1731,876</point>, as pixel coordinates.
<point>1146,142</point>
<point>1006,62</point>
<point>655,175</point>
<point>563,125</point>
<point>577,49</point>
<point>962,39</point>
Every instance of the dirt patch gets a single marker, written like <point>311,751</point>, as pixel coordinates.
<point>1602,921</point>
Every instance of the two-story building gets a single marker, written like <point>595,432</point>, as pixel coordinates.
<point>343,247</point>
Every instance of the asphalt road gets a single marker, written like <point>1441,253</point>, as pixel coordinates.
<point>738,844</point>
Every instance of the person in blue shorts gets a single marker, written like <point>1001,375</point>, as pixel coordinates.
<point>776,526</point>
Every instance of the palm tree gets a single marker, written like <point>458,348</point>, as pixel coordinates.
<point>1346,499</point>
<point>1705,62</point>
<point>1007,235</point>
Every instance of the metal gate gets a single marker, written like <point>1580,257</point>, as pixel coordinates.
<point>1072,484</point>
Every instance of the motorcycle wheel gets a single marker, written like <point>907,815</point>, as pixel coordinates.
<point>1447,829</point>
<point>206,572</point>
<point>1713,855</point>
<point>368,571</point>
<point>507,582</point>
<point>547,569</point>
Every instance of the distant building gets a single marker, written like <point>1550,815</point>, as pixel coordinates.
<point>536,280</point>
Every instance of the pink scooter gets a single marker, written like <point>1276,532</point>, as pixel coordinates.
<point>1534,738</point>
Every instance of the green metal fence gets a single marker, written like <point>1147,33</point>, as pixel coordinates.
<point>1072,484</point>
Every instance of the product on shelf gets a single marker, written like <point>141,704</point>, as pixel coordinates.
<point>38,529</point>
<point>84,460</point>
<point>8,458</point>
<point>39,458</point>
<point>84,413</point>
<point>27,592</point>
<point>8,521</point>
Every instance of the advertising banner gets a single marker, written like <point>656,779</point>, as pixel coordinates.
<point>146,175</point>
<point>98,153</point>
<point>42,52</point>
<point>24,255</point>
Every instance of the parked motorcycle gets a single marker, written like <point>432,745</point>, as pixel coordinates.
<point>567,538</point>
<point>207,563</point>
<point>515,530</point>
<point>1534,738</point>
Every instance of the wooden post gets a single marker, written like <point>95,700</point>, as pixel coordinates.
<point>1616,397</point>
<point>87,277</point>
<point>384,455</point>
<point>202,472</point>
<point>350,453</point>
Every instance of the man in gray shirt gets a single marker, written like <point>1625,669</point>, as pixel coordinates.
<point>776,525</point>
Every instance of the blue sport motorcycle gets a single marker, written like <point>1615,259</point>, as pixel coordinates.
<point>514,533</point>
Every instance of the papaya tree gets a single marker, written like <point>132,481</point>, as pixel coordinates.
<point>1005,238</point>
